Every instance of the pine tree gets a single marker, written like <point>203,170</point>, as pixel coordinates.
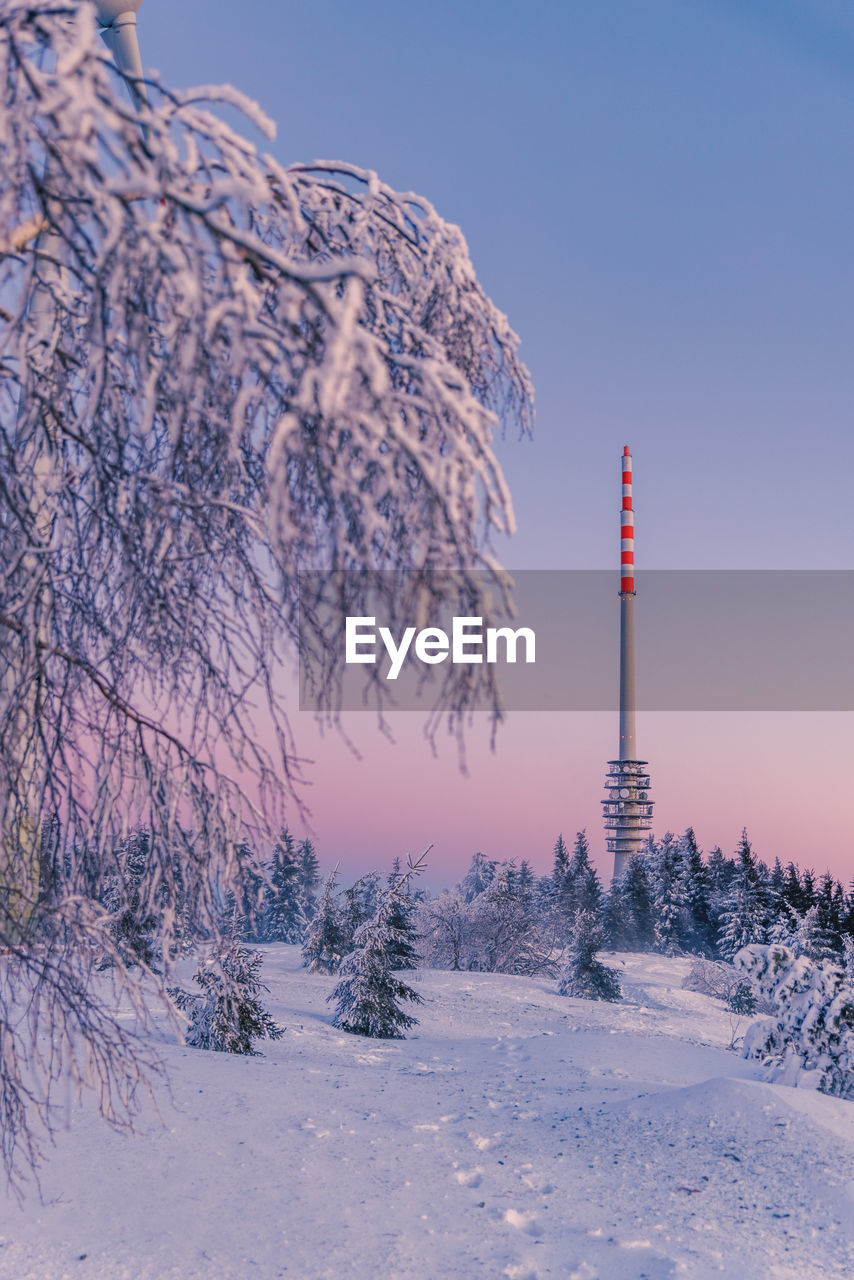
<point>848,913</point>
<point>545,897</point>
<point>848,959</point>
<point>396,871</point>
<point>578,889</point>
<point>478,877</point>
<point>560,865</point>
<point>699,935</point>
<point>284,915</point>
<point>586,888</point>
<point>777,884</point>
<point>309,877</point>
<point>744,915</point>
<point>228,1015</point>
<point>808,888</point>
<point>631,907</point>
<point>792,897</point>
<point>134,920</point>
<point>402,951</point>
<point>359,905</point>
<point>243,913</point>
<point>526,880</point>
<point>721,871</point>
<point>324,947</point>
<point>368,995</point>
<point>810,1036</point>
<point>830,902</point>
<point>813,939</point>
<point>668,895</point>
<point>585,977</point>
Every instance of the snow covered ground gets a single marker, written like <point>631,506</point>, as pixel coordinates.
<point>513,1134</point>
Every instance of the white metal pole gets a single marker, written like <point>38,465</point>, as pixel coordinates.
<point>118,23</point>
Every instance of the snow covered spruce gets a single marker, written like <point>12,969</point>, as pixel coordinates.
<point>325,944</point>
<point>228,1015</point>
<point>585,976</point>
<point>369,994</point>
<point>809,1039</point>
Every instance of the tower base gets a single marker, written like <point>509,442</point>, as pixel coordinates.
<point>627,810</point>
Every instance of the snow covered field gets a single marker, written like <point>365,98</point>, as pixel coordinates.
<point>513,1134</point>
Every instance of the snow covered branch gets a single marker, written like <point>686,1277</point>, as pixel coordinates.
<point>215,372</point>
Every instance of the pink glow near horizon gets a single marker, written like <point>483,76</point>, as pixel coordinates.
<point>783,776</point>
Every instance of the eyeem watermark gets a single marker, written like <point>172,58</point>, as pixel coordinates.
<point>706,640</point>
<point>469,642</point>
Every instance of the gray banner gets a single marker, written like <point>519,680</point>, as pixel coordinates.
<point>710,640</point>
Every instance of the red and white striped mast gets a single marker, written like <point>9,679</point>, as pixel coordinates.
<point>627,807</point>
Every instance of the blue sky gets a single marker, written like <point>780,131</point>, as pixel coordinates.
<point>660,196</point>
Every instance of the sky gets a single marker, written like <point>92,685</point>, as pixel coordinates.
<point>659,194</point>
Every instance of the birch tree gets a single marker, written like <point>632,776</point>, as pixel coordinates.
<point>216,372</point>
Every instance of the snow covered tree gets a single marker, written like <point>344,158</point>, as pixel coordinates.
<point>479,876</point>
<point>325,944</point>
<point>402,950</point>
<point>848,913</point>
<point>586,890</point>
<point>243,913</point>
<point>358,906</point>
<point>228,1015</point>
<point>216,371</point>
<point>721,871</point>
<point>669,900</point>
<point>446,926</point>
<point>629,911</point>
<point>793,897</point>
<point>507,936</point>
<point>848,959</point>
<point>576,883</point>
<point>810,1037</point>
<point>369,994</point>
<point>560,865</point>
<point>525,880</point>
<point>309,877</point>
<point>585,977</point>
<point>699,934</point>
<point>284,913</point>
<point>133,922</point>
<point>744,912</point>
<point>830,901</point>
<point>813,939</point>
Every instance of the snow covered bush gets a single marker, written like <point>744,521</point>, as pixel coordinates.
<point>809,1039</point>
<point>724,982</point>
<point>368,996</point>
<point>228,1015</point>
<point>445,931</point>
<point>498,930</point>
<point>584,976</point>
<point>507,935</point>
